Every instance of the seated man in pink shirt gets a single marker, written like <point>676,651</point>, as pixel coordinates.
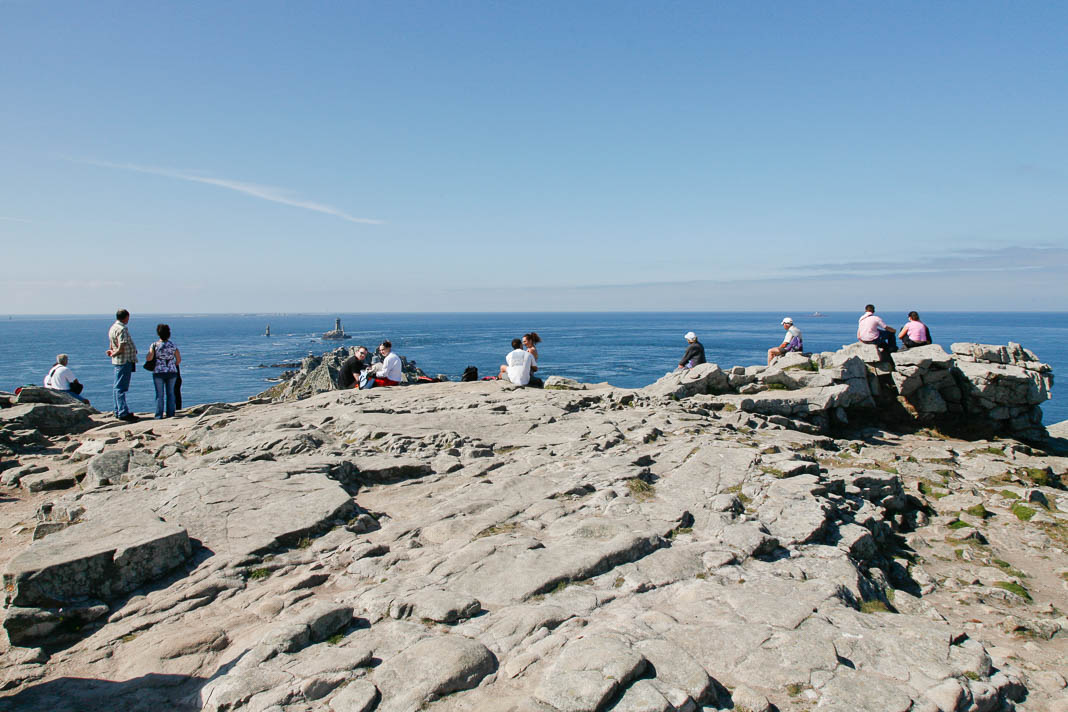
<point>915,332</point>
<point>873,330</point>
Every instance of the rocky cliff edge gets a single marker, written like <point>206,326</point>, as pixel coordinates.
<point>475,546</point>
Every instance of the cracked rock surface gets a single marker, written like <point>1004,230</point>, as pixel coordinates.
<point>475,546</point>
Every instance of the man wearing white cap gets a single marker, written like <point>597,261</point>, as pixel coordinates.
<point>791,341</point>
<point>695,352</point>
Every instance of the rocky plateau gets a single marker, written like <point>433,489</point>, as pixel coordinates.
<point>835,532</point>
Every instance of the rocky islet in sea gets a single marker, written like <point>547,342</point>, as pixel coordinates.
<point>831,533</point>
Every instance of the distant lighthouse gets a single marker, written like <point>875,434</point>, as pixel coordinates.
<point>338,333</point>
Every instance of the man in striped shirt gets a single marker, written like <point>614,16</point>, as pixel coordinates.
<point>123,355</point>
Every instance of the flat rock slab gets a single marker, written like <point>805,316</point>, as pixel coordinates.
<point>379,469</point>
<point>102,558</point>
<point>587,673</point>
<point>510,571</point>
<point>244,508</point>
<point>39,394</point>
<point>50,480</point>
<point>50,419</point>
<point>109,467</point>
<point>430,669</point>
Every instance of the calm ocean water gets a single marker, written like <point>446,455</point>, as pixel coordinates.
<point>223,354</point>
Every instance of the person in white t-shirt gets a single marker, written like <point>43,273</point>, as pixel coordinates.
<point>61,378</point>
<point>791,341</point>
<point>386,373</point>
<point>518,364</point>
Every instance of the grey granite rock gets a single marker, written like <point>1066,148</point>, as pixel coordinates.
<point>432,668</point>
<point>48,418</point>
<point>470,547</point>
<point>356,696</point>
<point>109,467</point>
<point>705,378</point>
<point>588,672</point>
<point>107,556</point>
<point>39,394</point>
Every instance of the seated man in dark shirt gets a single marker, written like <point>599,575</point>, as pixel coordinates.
<point>695,352</point>
<point>351,367</point>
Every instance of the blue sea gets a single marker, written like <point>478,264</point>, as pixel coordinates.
<point>226,357</point>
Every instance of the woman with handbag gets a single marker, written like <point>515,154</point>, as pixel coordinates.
<point>163,360</point>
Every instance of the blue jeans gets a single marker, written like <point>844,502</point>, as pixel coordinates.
<point>122,384</point>
<point>164,383</point>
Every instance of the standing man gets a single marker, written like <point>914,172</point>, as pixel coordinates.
<point>695,352</point>
<point>791,341</point>
<point>123,355</point>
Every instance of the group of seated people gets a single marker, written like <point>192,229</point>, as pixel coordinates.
<point>522,361</point>
<point>871,329</point>
<point>358,372</point>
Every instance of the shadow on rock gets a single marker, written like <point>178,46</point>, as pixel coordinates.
<point>148,693</point>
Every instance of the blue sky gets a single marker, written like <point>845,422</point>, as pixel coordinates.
<point>440,156</point>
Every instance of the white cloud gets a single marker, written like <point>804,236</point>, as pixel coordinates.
<point>264,192</point>
<point>10,219</point>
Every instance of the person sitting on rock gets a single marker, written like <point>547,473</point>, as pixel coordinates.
<point>349,376</point>
<point>873,330</point>
<point>61,378</point>
<point>387,373</point>
<point>915,332</point>
<point>695,352</point>
<point>517,364</point>
<point>530,343</point>
<point>791,341</point>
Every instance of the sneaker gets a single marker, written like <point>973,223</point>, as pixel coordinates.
<point>130,418</point>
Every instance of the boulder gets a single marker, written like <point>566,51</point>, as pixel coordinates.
<point>792,360</point>
<point>110,467</point>
<point>923,357</point>
<point>559,383</point>
<point>40,394</point>
<point>50,480</point>
<point>980,352</point>
<point>588,672</point>
<point>867,353</point>
<point>801,402</point>
<point>432,668</point>
<point>104,557</point>
<point>49,418</point>
<point>705,378</point>
<point>1004,384</point>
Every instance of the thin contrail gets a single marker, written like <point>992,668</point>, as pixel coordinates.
<point>264,192</point>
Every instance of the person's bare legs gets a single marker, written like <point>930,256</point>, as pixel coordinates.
<point>774,353</point>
